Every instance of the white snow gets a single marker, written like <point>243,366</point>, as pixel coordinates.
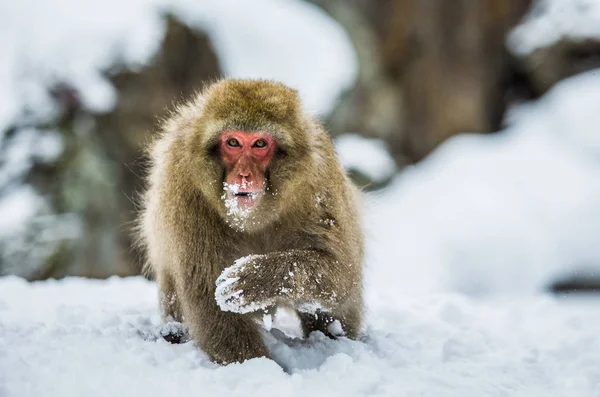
<point>367,155</point>
<point>240,216</point>
<point>21,150</point>
<point>19,206</point>
<point>102,338</point>
<point>552,20</point>
<point>335,328</point>
<point>505,213</point>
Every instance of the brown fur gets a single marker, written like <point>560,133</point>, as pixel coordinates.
<point>307,223</point>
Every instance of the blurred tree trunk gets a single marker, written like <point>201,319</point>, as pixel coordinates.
<point>98,176</point>
<point>429,69</point>
<point>186,60</point>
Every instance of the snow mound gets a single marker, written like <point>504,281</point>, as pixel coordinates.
<point>505,213</point>
<point>79,337</point>
<point>552,20</point>
<point>367,156</point>
<point>574,106</point>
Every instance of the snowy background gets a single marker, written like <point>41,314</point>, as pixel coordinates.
<point>462,247</point>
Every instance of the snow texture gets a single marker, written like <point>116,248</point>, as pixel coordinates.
<point>18,207</point>
<point>237,215</point>
<point>79,337</point>
<point>335,328</point>
<point>552,20</point>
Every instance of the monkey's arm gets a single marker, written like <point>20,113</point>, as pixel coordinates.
<point>306,279</point>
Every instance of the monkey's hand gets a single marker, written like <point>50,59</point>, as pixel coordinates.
<point>305,279</point>
<point>239,287</point>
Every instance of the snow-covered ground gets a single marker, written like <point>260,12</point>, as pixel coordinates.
<point>98,338</point>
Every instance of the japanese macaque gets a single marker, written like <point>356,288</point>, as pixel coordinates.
<point>248,209</point>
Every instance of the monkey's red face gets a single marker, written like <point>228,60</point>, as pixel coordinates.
<point>247,156</point>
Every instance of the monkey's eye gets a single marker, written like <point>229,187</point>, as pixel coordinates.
<point>260,143</point>
<point>233,142</point>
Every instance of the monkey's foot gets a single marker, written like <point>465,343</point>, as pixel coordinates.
<point>231,294</point>
<point>174,332</point>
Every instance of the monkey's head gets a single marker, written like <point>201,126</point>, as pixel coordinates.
<point>249,149</point>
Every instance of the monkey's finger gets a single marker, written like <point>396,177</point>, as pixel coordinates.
<point>230,273</point>
<point>226,285</point>
<point>229,299</point>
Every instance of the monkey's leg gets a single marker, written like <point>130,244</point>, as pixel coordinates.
<point>226,337</point>
<point>170,309</point>
<point>349,318</point>
<point>169,302</point>
<point>317,321</point>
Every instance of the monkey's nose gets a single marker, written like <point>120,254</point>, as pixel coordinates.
<point>245,176</point>
<point>246,179</point>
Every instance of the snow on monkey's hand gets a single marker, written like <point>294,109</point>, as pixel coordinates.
<point>240,288</point>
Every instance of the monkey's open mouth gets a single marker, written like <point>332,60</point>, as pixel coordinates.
<point>248,195</point>
<point>246,199</point>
